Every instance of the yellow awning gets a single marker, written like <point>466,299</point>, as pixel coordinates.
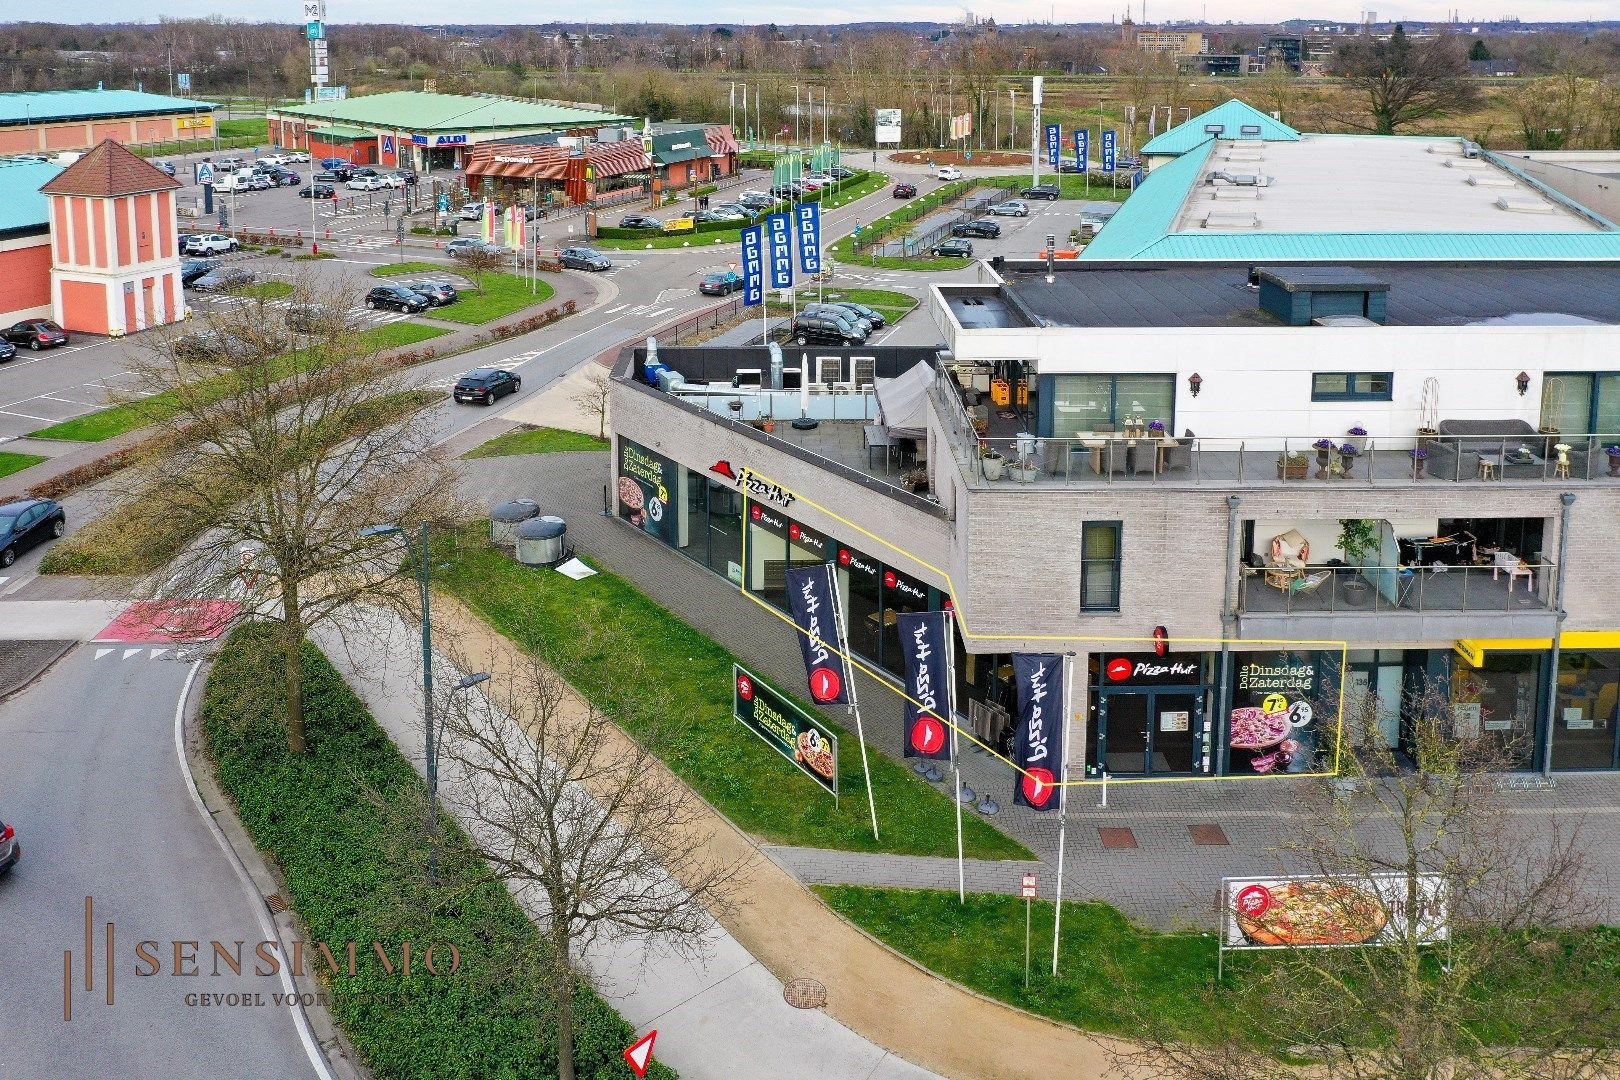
<point>1473,650</point>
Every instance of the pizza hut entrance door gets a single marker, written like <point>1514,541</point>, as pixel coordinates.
<point>1148,733</point>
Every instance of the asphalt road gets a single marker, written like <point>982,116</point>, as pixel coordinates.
<point>91,780</point>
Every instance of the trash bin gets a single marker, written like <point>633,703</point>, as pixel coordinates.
<point>505,518</point>
<point>542,541</point>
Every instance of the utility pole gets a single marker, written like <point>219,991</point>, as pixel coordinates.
<point>170,47</point>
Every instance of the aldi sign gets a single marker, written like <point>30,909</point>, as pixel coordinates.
<point>785,728</point>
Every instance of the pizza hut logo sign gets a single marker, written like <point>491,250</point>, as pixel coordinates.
<point>843,556</point>
<point>825,684</point>
<point>1119,669</point>
<point>927,735</point>
<point>756,513</point>
<point>889,579</point>
<point>1253,901</point>
<point>745,688</point>
<point>1150,669</point>
<point>794,531</point>
<point>1039,784</point>
<point>753,484</point>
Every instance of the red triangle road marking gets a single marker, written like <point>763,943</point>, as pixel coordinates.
<point>639,1053</point>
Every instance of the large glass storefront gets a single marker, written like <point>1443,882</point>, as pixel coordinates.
<point>1499,701</point>
<point>1586,712</point>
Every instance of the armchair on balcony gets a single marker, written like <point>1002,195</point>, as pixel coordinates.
<point>1290,553</point>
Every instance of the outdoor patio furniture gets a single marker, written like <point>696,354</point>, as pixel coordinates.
<point>1488,466</point>
<point>1144,457</point>
<point>1289,551</point>
<point>1462,441</point>
<point>1515,568</point>
<point>878,438</point>
<point>1309,583</point>
<point>1283,577</point>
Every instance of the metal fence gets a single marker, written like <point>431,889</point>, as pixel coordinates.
<point>920,240</point>
<point>1508,585</point>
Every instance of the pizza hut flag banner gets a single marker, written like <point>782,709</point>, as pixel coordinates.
<point>925,643</point>
<point>1332,911</point>
<point>1038,744</point>
<point>811,597</point>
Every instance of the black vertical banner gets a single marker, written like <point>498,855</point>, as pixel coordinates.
<point>810,596</point>
<point>928,690</point>
<point>1038,744</point>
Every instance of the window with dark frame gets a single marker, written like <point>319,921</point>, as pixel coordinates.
<point>1099,565</point>
<point>1352,386</point>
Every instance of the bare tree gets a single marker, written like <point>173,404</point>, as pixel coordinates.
<point>1519,987</point>
<point>594,396</point>
<point>480,259</point>
<point>583,823</point>
<point>274,463</point>
<point>1404,81</point>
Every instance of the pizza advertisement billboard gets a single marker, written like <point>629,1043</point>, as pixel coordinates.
<point>1280,721</point>
<point>786,728</point>
<point>1312,911</point>
<point>645,485</point>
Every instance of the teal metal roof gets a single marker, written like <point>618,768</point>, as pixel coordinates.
<point>23,207</point>
<point>1377,247</point>
<point>1233,116</point>
<point>413,110</point>
<point>1150,212</point>
<point>46,106</point>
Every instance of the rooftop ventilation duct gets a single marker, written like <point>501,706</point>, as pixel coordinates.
<point>1524,206</point>
<point>1324,295</point>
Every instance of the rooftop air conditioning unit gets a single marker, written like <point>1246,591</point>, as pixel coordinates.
<point>1231,219</point>
<point>1524,206</point>
<point>1491,180</point>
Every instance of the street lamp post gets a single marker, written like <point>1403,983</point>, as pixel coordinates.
<point>423,581</point>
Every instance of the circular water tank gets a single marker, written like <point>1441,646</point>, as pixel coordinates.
<point>542,541</point>
<point>504,520</point>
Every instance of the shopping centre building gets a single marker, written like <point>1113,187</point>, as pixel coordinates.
<point>1229,486</point>
<point>51,121</point>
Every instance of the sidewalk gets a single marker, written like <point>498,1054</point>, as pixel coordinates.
<point>726,1017</point>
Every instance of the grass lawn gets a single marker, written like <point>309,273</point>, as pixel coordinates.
<point>266,290</point>
<point>535,440</point>
<point>10,463</point>
<point>728,765</point>
<point>861,188</point>
<point>244,129</point>
<point>890,304</point>
<point>407,268</point>
<point>501,294</point>
<point>117,419</point>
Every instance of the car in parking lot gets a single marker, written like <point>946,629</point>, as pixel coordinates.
<point>952,249</point>
<point>223,279</point>
<point>327,176</point>
<point>1040,191</point>
<point>207,244</point>
<point>949,172</point>
<point>472,211</point>
<point>838,172</point>
<point>1010,208</point>
<point>230,164</point>
<point>436,293</point>
<point>825,328</point>
<point>365,183</point>
<point>484,385</point>
<point>391,180</point>
<point>1096,218</point>
<point>743,211</point>
<point>166,166</point>
<point>297,156</point>
<point>317,191</point>
<point>7,351</point>
<point>721,283</point>
<point>982,227</point>
<point>10,847</point>
<point>192,269</point>
<point>28,523</point>
<point>904,191</point>
<point>397,297</point>
<point>467,243</point>
<point>36,334</point>
<point>871,315</point>
<point>308,318</point>
<point>639,221</point>
<point>836,311</point>
<point>285,178</point>
<point>754,195</point>
<point>333,162</point>
<point>256,182</point>
<point>584,258</point>
<point>205,345</point>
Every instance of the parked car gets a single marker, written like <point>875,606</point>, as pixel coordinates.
<point>317,191</point>
<point>639,221</point>
<point>837,312</point>
<point>166,166</point>
<point>1096,218</point>
<point>407,175</point>
<point>484,385</point>
<point>366,183</point>
<point>397,297</point>
<point>192,269</point>
<point>205,345</point>
<point>720,284</point>
<point>207,244</point>
<point>758,205</point>
<point>1010,208</point>
<point>258,182</point>
<point>709,217</point>
<point>326,176</point>
<point>7,351</point>
<point>825,329</point>
<point>286,178</point>
<point>230,164</point>
<point>982,227</point>
<point>949,172</point>
<point>871,315</point>
<point>463,243</point>
<point>297,156</point>
<point>838,172</point>
<point>27,523</point>
<point>584,258</point>
<point>905,191</point>
<point>37,334</point>
<point>786,191</point>
<point>1040,191</point>
<point>365,170</point>
<point>390,180</point>
<point>305,318</point>
<point>957,248</point>
<point>10,847</point>
<point>436,293</point>
<point>472,211</point>
<point>333,162</point>
<point>341,173</point>
<point>223,279</point>
<point>739,211</point>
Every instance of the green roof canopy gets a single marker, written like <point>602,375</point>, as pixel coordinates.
<point>1232,117</point>
<point>339,131</point>
<point>47,106</point>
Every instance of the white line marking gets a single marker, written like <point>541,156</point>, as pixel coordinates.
<point>131,652</point>
<point>103,652</point>
<point>159,652</point>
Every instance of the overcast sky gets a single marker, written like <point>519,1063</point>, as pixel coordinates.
<point>797,11</point>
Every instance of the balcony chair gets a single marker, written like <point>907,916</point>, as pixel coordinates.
<point>1290,553</point>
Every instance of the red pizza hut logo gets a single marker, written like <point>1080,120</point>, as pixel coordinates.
<point>927,735</point>
<point>745,688</point>
<point>843,556</point>
<point>1253,901</point>
<point>1119,669</point>
<point>756,513</point>
<point>794,531</point>
<point>889,578</point>
<point>825,685</point>
<point>1039,785</point>
<point>754,485</point>
<point>723,468</point>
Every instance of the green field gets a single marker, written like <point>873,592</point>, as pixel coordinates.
<point>10,463</point>
<point>535,440</point>
<point>501,295</point>
<point>244,129</point>
<point>859,187</point>
<point>733,769</point>
<point>266,290</point>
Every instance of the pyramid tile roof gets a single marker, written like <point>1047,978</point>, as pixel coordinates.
<point>110,169</point>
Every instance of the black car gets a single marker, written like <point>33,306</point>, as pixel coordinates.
<point>317,191</point>
<point>871,315</point>
<point>223,279</point>
<point>905,191</point>
<point>957,248</point>
<point>209,345</point>
<point>330,176</point>
<point>719,284</point>
<point>1040,191</point>
<point>839,312</point>
<point>825,329</point>
<point>484,385</point>
<point>757,201</point>
<point>192,269</point>
<point>28,522</point>
<point>639,221</point>
<point>364,171</point>
<point>7,351</point>
<point>397,297</point>
<point>584,258</point>
<point>983,227</point>
<point>436,293</point>
<point>36,334</point>
<point>838,172</point>
<point>284,177</point>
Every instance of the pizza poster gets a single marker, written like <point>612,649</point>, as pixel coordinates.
<point>1332,911</point>
<point>786,728</point>
<point>1275,725</point>
<point>646,483</point>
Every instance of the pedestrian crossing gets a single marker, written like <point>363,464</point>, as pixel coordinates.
<point>358,314</point>
<point>184,654</point>
<point>511,363</point>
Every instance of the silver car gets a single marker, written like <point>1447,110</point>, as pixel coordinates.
<point>1010,208</point>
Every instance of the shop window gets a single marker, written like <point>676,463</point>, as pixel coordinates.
<point>1588,710</point>
<point>1498,702</point>
<point>901,594</point>
<point>1352,386</point>
<point>767,554</point>
<point>861,580</point>
<point>725,531</point>
<point>1099,566</point>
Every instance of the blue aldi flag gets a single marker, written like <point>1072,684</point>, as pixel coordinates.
<point>1108,151</point>
<point>925,643</point>
<point>780,230</point>
<point>1082,148</point>
<point>753,265</point>
<point>811,597</point>
<point>809,215</point>
<point>1054,144</point>
<point>1038,743</point>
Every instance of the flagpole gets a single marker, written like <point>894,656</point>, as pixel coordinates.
<point>1063,803</point>
<point>956,766</point>
<point>854,706</point>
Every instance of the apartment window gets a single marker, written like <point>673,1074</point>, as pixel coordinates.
<point>1099,566</point>
<point>1582,403</point>
<point>1352,386</point>
<point>1082,404</point>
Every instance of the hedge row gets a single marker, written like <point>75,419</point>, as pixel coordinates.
<point>349,878</point>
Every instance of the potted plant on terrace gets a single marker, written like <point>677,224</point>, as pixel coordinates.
<point>1613,453</point>
<point>1324,457</point>
<point>1347,458</point>
<point>992,461</point>
<point>1358,538</point>
<point>1357,437</point>
<point>1420,457</point>
<point>1292,466</point>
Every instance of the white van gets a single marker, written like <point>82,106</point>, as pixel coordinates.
<point>240,180</point>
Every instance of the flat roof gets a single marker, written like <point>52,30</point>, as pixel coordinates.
<point>1204,295</point>
<point>412,110</point>
<point>50,106</point>
<point>23,207</point>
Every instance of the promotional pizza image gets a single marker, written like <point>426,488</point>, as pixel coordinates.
<point>1300,913</point>
<point>1256,729</point>
<point>816,753</point>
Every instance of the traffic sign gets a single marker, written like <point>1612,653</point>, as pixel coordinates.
<point>639,1053</point>
<point>1029,887</point>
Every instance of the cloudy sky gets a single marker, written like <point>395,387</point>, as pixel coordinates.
<point>800,11</point>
